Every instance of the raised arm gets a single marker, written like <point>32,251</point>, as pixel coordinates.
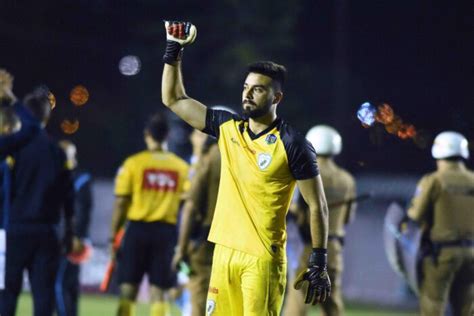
<point>29,128</point>
<point>174,97</point>
<point>10,111</point>
<point>173,94</point>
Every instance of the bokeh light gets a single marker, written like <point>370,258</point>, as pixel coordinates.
<point>130,65</point>
<point>385,115</point>
<point>69,127</point>
<point>366,114</point>
<point>79,95</point>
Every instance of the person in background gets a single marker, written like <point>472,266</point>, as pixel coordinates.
<point>67,282</point>
<point>41,191</point>
<point>443,205</point>
<point>339,186</point>
<point>197,214</point>
<point>148,190</point>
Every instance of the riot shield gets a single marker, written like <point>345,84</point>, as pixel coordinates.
<point>402,247</point>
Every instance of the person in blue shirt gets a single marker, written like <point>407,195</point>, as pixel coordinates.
<point>67,282</point>
<point>40,189</point>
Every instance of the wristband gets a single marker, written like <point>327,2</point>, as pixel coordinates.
<point>173,52</point>
<point>318,257</point>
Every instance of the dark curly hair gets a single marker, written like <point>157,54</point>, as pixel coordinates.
<point>268,68</point>
<point>157,126</point>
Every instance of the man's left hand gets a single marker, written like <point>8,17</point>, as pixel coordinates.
<point>317,278</point>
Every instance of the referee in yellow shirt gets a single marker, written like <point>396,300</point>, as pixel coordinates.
<point>148,189</point>
<point>262,159</point>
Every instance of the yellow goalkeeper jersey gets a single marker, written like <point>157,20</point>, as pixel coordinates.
<point>258,176</point>
<point>155,181</point>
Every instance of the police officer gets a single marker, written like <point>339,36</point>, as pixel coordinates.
<point>41,187</point>
<point>444,205</point>
<point>198,211</point>
<point>340,190</point>
<point>67,281</point>
<point>196,220</point>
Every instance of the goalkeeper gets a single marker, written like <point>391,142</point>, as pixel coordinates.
<point>262,159</point>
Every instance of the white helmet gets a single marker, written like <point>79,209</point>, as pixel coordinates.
<point>450,144</point>
<point>325,140</point>
<point>223,108</point>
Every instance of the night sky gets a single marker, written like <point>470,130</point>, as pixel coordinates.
<point>417,56</point>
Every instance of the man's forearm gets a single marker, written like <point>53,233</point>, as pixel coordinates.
<point>172,88</point>
<point>121,205</point>
<point>185,226</point>
<point>319,225</point>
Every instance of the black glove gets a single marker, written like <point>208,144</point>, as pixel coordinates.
<point>178,35</point>
<point>316,275</point>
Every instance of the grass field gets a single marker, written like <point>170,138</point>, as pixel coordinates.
<point>101,305</point>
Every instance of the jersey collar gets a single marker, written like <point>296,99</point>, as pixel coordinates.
<point>265,131</point>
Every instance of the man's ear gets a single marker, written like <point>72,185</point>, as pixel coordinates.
<point>278,97</point>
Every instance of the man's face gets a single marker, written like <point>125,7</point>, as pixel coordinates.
<point>258,95</point>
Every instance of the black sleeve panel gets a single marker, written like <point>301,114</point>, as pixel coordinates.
<point>214,119</point>
<point>301,154</point>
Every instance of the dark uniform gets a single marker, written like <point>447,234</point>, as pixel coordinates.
<point>203,193</point>
<point>67,282</point>
<point>40,186</point>
<point>444,205</point>
<point>339,186</point>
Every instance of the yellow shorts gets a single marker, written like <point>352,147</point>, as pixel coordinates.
<point>244,285</point>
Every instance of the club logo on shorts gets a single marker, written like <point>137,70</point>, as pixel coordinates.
<point>270,139</point>
<point>264,160</point>
<point>211,306</point>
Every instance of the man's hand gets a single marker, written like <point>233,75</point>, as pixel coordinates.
<point>115,243</point>
<point>316,275</point>
<point>77,245</point>
<point>112,252</point>
<point>178,258</point>
<point>178,35</point>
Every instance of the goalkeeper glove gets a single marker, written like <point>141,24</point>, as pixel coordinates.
<point>178,35</point>
<point>316,275</point>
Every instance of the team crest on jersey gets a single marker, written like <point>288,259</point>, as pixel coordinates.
<point>264,160</point>
<point>211,306</point>
<point>270,139</point>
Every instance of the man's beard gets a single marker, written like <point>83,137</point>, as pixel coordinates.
<point>257,112</point>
